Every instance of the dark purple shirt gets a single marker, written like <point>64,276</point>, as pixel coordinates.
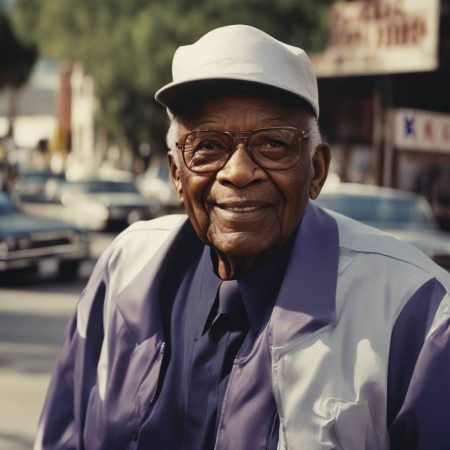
<point>186,412</point>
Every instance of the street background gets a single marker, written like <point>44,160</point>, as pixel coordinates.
<point>83,141</point>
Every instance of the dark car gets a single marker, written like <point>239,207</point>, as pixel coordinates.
<point>405,215</point>
<point>96,204</point>
<point>38,186</point>
<point>26,241</point>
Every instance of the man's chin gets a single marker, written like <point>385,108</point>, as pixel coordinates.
<point>242,244</point>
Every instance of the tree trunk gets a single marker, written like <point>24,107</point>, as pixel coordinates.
<point>11,97</point>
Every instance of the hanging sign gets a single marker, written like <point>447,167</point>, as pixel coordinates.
<point>421,130</point>
<point>371,37</point>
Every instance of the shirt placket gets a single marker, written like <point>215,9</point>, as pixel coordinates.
<point>209,356</point>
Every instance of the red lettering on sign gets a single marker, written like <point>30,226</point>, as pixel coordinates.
<point>428,130</point>
<point>392,25</point>
<point>446,132</point>
<point>418,30</point>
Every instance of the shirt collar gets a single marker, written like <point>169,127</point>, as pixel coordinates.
<point>206,285</point>
<point>258,288</point>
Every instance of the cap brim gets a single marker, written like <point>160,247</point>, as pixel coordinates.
<point>175,94</point>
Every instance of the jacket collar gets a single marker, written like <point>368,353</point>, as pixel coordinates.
<point>307,298</point>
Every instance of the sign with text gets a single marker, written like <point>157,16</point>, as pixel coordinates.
<point>371,37</point>
<point>421,130</point>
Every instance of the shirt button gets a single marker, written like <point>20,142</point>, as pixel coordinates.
<point>196,337</point>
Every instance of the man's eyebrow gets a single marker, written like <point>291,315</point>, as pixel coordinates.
<point>211,122</point>
<point>275,119</point>
<point>205,124</point>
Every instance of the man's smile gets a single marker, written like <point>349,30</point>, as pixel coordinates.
<point>241,206</point>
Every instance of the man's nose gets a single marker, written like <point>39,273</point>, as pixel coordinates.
<point>240,170</point>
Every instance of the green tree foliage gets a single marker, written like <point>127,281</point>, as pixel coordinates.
<point>16,58</point>
<point>127,45</point>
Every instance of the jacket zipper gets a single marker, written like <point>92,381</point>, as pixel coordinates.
<point>136,431</point>
<point>272,431</point>
<point>225,398</point>
<point>159,362</point>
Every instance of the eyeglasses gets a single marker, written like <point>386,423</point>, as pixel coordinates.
<point>275,148</point>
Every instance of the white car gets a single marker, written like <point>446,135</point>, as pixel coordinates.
<point>96,204</point>
<point>405,215</point>
<point>155,184</point>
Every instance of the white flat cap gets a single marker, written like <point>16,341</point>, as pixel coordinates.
<point>241,53</point>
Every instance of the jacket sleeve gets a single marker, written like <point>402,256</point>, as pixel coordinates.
<point>62,419</point>
<point>419,372</point>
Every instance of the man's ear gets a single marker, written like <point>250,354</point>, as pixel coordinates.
<point>175,174</point>
<point>321,163</point>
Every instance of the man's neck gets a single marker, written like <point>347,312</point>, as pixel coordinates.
<point>232,267</point>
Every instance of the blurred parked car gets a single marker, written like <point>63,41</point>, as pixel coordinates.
<point>26,240</point>
<point>441,208</point>
<point>96,204</point>
<point>405,215</point>
<point>38,186</point>
<point>155,184</point>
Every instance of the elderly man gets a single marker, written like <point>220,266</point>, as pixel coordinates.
<point>261,321</point>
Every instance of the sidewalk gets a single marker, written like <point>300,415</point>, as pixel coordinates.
<point>32,323</point>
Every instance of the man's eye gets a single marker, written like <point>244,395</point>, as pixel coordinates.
<point>209,146</point>
<point>273,143</point>
<point>272,148</point>
<point>269,141</point>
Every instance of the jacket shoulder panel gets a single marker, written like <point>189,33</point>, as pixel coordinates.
<point>136,246</point>
<point>130,251</point>
<point>357,238</point>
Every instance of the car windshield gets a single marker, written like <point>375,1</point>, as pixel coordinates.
<point>6,205</point>
<point>379,211</point>
<point>98,187</point>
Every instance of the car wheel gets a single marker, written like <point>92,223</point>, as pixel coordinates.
<point>68,270</point>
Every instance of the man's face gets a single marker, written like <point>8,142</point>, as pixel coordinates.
<point>244,210</point>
